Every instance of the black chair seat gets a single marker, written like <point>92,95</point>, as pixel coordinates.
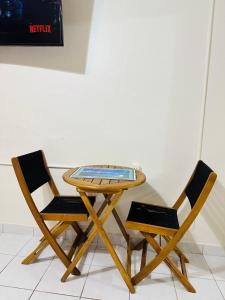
<point>67,205</point>
<point>153,215</point>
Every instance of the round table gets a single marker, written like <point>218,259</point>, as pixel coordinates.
<point>112,191</point>
<point>103,185</point>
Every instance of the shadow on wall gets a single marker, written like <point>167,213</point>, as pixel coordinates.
<point>214,212</point>
<point>77,18</point>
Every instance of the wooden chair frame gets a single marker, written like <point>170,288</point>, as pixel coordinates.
<point>171,236</point>
<point>50,235</point>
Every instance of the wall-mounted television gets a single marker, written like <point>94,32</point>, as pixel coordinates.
<point>31,22</point>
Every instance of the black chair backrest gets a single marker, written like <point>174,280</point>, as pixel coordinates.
<point>197,183</point>
<point>34,170</point>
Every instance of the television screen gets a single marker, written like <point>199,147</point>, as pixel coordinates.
<point>31,22</point>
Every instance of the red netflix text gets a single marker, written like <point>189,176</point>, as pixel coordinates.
<point>40,29</point>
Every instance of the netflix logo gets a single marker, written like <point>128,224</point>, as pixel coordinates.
<point>40,28</point>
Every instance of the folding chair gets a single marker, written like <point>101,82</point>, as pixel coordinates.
<point>32,173</point>
<point>152,220</point>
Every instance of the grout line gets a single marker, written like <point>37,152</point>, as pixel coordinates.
<point>15,287</point>
<point>52,293</point>
<point>173,280</point>
<point>41,278</point>
<point>88,272</point>
<point>207,264</point>
<point>7,263</point>
<point>24,245</point>
<point>60,294</point>
<point>220,290</point>
<point>209,268</point>
<point>90,298</point>
<point>15,255</point>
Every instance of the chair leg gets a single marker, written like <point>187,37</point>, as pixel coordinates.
<point>177,250</point>
<point>77,228</point>
<point>129,252</point>
<point>55,246</point>
<point>80,238</point>
<point>183,267</point>
<point>162,256</point>
<point>181,276</point>
<point>138,246</point>
<point>56,230</point>
<point>144,255</point>
<point>58,224</point>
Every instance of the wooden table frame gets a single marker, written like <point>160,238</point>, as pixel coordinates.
<point>112,195</point>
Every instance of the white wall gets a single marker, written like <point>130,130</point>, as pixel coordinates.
<point>212,220</point>
<point>128,87</point>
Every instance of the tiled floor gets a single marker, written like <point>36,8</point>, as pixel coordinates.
<point>100,279</point>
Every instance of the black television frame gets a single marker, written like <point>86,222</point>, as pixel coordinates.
<point>31,23</point>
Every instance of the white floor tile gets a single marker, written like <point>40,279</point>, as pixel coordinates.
<point>47,253</point>
<point>103,258</point>
<point>37,232</point>
<point>12,243</point>
<point>4,260</point>
<point>87,258</point>
<point>18,229</point>
<point>23,276</point>
<point>49,296</point>
<point>31,245</point>
<point>105,283</point>
<point>198,267</point>
<point>116,239</point>
<point>70,235</point>
<point>51,282</point>
<point>191,248</point>
<point>217,266</point>
<point>8,293</point>
<point>136,262</point>
<point>206,290</point>
<point>156,286</point>
<point>221,285</point>
<point>213,250</point>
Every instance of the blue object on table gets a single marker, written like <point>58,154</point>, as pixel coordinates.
<point>104,173</point>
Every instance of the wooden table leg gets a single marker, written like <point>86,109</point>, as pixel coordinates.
<point>129,253</point>
<point>99,229</point>
<point>82,250</point>
<point>100,211</point>
<point>114,255</point>
<point>119,222</point>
